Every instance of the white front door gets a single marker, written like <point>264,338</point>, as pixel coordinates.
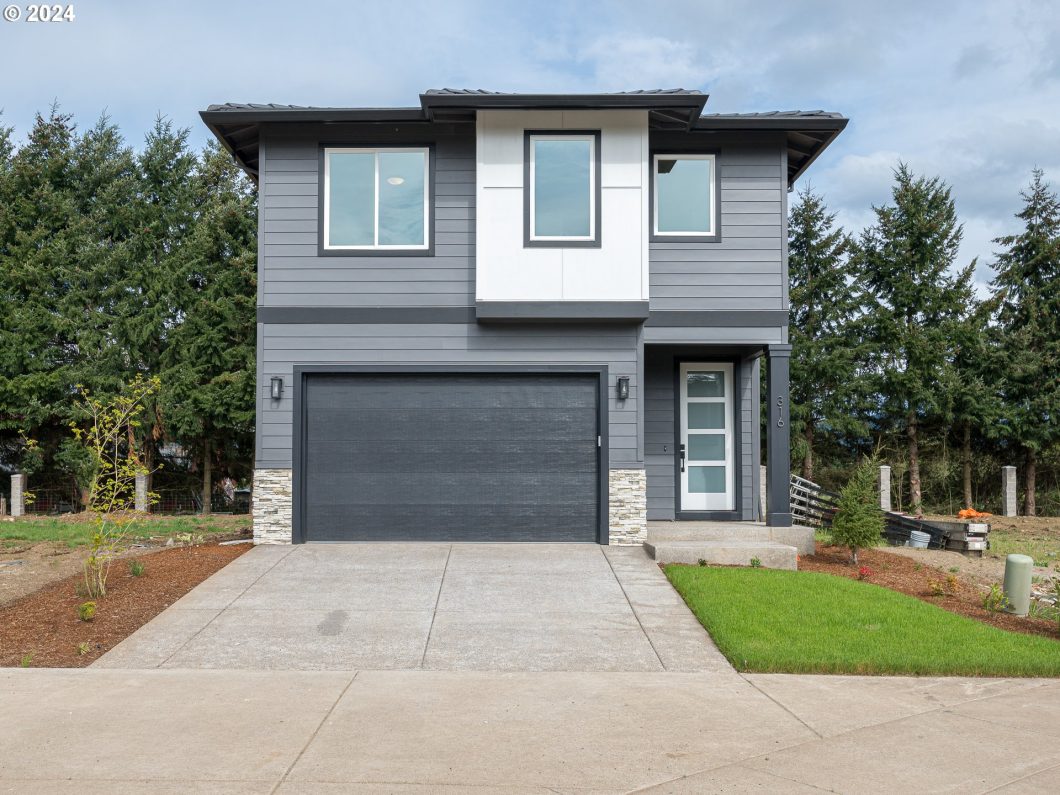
<point>705,453</point>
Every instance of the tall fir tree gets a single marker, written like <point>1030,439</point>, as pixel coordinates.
<point>208,383</point>
<point>1027,288</point>
<point>970,389</point>
<point>37,242</point>
<point>164,217</point>
<point>824,310</point>
<point>906,260</point>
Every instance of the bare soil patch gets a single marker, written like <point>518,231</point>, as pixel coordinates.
<point>962,593</point>
<point>43,629</point>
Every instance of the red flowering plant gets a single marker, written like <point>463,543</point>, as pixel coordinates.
<point>864,572</point>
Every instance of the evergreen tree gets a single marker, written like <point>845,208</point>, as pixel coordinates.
<point>37,349</point>
<point>971,387</point>
<point>824,308</point>
<point>145,312</point>
<point>209,378</point>
<point>905,260</point>
<point>1027,288</point>
<point>105,191</point>
<point>858,521</point>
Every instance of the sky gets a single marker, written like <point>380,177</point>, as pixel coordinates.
<point>969,91</point>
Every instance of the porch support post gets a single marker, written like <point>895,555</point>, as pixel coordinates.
<point>778,438</point>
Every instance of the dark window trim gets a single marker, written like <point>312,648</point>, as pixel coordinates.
<point>684,150</point>
<point>737,462</point>
<point>597,189</point>
<point>323,251</point>
<point>298,424</point>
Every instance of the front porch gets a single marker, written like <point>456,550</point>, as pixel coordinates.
<point>728,543</point>
<point>710,494</point>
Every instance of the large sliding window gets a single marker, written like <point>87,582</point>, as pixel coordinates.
<point>376,199</point>
<point>685,196</point>
<point>562,189</point>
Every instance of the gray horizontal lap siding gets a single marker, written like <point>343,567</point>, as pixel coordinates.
<point>744,270</point>
<point>283,346</point>
<point>293,273</point>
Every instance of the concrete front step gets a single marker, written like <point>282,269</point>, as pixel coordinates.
<point>727,553</point>
<point>796,536</point>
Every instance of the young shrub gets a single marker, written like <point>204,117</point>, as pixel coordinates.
<point>864,572</point>
<point>26,661</point>
<point>136,568</point>
<point>858,522</point>
<point>108,441</point>
<point>86,611</point>
<point>756,563</point>
<point>82,648</point>
<point>995,599</point>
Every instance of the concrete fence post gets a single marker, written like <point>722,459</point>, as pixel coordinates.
<point>1008,491</point>
<point>140,502</point>
<point>885,488</point>
<point>18,495</point>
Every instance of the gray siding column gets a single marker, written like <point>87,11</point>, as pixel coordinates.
<point>18,495</point>
<point>1008,491</point>
<point>885,488</point>
<point>778,438</point>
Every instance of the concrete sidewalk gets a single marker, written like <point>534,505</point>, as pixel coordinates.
<point>445,607</point>
<point>114,731</point>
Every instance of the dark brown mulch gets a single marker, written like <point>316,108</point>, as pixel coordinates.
<point>907,576</point>
<point>43,629</point>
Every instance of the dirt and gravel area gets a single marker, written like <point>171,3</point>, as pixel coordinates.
<point>928,577</point>
<point>36,551</point>
<point>43,629</point>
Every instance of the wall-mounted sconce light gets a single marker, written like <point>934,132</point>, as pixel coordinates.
<point>623,387</point>
<point>276,387</point>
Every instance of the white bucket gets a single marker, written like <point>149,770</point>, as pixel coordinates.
<point>918,540</point>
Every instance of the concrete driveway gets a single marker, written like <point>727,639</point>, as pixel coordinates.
<point>476,607</point>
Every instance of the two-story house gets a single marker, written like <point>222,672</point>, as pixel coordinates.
<point>519,317</point>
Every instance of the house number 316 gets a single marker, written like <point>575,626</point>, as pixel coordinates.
<point>780,412</point>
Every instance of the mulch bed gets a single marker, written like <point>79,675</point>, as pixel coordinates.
<point>905,575</point>
<point>42,630</point>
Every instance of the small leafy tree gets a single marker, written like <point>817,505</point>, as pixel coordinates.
<point>858,521</point>
<point>109,439</point>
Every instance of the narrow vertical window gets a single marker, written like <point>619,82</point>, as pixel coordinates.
<point>563,188</point>
<point>376,199</point>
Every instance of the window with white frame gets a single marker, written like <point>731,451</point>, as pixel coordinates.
<point>684,191</point>
<point>376,199</point>
<point>563,188</point>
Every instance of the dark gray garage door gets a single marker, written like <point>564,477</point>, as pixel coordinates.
<point>448,457</point>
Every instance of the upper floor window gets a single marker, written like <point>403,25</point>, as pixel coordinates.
<point>685,196</point>
<point>563,189</point>
<point>376,199</point>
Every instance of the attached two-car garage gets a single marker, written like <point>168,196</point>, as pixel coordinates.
<point>448,456</point>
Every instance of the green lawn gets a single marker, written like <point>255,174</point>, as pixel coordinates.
<point>78,531</point>
<point>804,622</point>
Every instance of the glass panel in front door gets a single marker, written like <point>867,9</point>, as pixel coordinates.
<point>706,437</point>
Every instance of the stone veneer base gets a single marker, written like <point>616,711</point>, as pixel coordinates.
<point>627,506</point>
<point>272,506</point>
